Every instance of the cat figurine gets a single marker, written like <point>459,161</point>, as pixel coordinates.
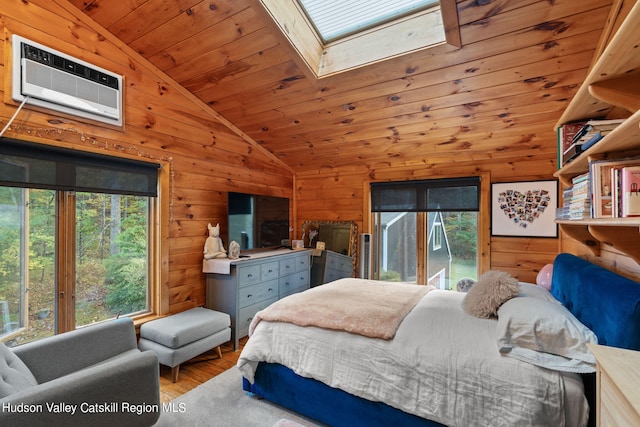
<point>213,247</point>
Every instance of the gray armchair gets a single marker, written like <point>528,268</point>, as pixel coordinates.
<point>91,376</point>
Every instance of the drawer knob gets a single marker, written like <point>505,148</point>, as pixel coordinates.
<point>249,275</point>
<point>249,296</point>
<point>270,289</point>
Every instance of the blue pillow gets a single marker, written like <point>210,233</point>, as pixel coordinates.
<point>605,302</point>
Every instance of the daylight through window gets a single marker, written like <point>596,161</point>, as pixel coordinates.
<point>426,232</point>
<point>334,19</point>
<point>73,224</point>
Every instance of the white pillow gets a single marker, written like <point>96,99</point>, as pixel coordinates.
<point>535,291</point>
<point>545,334</point>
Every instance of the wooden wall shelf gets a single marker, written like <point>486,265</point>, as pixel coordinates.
<point>620,234</point>
<point>612,86</point>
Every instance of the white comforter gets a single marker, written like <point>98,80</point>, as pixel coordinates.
<point>442,364</point>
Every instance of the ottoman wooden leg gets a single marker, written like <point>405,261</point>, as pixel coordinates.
<point>219,350</point>
<point>174,373</point>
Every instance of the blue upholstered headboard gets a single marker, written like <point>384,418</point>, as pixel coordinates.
<point>604,301</point>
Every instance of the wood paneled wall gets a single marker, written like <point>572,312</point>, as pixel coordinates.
<point>339,194</point>
<point>208,156</point>
<point>163,123</point>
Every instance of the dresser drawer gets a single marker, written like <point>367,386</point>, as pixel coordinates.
<point>287,266</point>
<point>269,271</point>
<point>246,315</point>
<point>249,295</point>
<point>293,283</point>
<point>248,274</point>
<point>339,264</point>
<point>331,275</point>
<point>302,262</point>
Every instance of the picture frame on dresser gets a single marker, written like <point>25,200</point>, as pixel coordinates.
<point>524,209</point>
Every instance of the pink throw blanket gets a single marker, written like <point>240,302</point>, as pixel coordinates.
<point>370,308</point>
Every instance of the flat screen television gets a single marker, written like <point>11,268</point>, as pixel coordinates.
<point>258,222</point>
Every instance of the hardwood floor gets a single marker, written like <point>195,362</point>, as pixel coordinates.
<point>197,371</point>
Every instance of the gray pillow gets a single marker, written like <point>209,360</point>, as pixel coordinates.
<point>14,374</point>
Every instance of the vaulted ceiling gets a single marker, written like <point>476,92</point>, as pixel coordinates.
<point>498,95</point>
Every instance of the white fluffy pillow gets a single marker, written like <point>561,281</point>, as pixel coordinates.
<point>491,290</point>
<point>544,333</point>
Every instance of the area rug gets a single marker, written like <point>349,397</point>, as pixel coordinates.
<point>222,402</point>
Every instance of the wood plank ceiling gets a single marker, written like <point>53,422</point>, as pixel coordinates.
<point>496,97</point>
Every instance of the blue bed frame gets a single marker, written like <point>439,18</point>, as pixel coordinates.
<point>607,303</point>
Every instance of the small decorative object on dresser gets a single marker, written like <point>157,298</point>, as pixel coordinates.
<point>234,250</point>
<point>213,247</point>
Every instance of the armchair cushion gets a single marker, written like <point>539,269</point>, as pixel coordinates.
<point>15,374</point>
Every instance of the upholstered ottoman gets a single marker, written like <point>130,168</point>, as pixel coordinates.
<point>183,336</point>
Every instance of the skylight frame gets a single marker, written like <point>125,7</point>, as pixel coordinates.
<point>393,39</point>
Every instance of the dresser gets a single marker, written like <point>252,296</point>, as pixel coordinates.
<point>617,386</point>
<point>245,286</point>
<point>329,266</point>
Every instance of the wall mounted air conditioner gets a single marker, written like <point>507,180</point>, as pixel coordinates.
<point>60,82</point>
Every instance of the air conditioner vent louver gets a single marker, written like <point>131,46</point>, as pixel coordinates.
<point>60,82</point>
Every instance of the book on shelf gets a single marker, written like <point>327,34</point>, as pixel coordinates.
<point>587,136</point>
<point>576,199</point>
<point>580,202</point>
<point>593,126</point>
<point>630,188</point>
<point>605,186</point>
<point>566,132</point>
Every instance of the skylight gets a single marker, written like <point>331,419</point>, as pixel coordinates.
<point>334,36</point>
<point>334,19</point>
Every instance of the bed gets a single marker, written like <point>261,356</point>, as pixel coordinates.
<point>342,378</point>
